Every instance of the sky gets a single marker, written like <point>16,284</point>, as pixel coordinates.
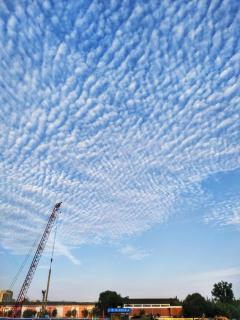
<point>129,113</point>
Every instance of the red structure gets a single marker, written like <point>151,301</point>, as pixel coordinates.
<point>26,284</point>
<point>157,307</point>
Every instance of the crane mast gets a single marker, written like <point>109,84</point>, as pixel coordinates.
<point>26,284</point>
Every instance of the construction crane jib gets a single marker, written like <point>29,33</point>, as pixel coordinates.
<point>26,284</point>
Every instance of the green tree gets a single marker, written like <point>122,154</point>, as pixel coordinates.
<point>95,312</point>
<point>109,299</point>
<point>68,313</point>
<point>194,305</point>
<point>209,309</point>
<point>230,310</point>
<point>29,313</point>
<point>54,313</point>
<point>74,313</point>
<point>175,301</point>
<point>85,313</point>
<point>222,292</point>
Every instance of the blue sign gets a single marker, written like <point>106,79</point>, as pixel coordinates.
<point>119,310</point>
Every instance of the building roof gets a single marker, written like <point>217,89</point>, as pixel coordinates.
<point>50,303</point>
<point>171,301</point>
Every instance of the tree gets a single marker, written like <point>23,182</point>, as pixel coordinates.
<point>68,313</point>
<point>141,312</point>
<point>74,313</point>
<point>109,299</point>
<point>222,292</point>
<point>175,301</point>
<point>85,313</point>
<point>229,310</point>
<point>94,312</point>
<point>8,313</point>
<point>194,305</point>
<point>29,313</point>
<point>54,313</point>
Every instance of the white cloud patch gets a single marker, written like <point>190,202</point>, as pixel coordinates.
<point>225,213</point>
<point>119,111</point>
<point>218,274</point>
<point>134,253</point>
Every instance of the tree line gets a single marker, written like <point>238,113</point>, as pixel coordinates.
<point>222,303</point>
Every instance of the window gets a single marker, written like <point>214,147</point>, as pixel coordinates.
<point>165,305</point>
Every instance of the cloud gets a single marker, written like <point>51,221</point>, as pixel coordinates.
<point>63,250</point>
<point>120,111</point>
<point>225,213</point>
<point>133,252</point>
<point>219,273</point>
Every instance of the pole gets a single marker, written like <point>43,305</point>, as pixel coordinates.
<point>48,282</point>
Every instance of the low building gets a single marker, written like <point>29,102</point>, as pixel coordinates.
<point>165,307</point>
<point>63,308</point>
<point>6,295</point>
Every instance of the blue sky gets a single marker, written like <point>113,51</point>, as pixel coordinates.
<point>128,113</point>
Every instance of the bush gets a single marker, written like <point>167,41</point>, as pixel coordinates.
<point>29,313</point>
<point>85,313</point>
<point>54,313</point>
<point>194,305</point>
<point>74,313</point>
<point>68,313</point>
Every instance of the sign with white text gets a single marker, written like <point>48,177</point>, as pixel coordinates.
<point>119,310</point>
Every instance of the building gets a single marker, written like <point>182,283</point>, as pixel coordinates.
<point>6,295</point>
<point>63,308</point>
<point>165,307</point>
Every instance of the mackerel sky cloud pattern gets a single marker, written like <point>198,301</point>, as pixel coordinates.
<point>119,109</point>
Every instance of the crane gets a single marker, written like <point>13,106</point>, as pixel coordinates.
<point>28,279</point>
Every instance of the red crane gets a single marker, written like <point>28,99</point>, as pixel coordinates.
<point>26,284</point>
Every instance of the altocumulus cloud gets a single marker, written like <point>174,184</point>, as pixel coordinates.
<point>133,252</point>
<point>117,108</point>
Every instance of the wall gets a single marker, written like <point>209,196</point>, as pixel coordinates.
<point>61,308</point>
<point>173,311</point>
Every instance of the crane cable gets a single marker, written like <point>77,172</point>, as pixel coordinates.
<point>23,264</point>
<point>15,278</point>
<point>53,247</point>
<point>50,268</point>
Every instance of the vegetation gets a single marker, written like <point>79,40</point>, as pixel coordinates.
<point>194,305</point>
<point>85,313</point>
<point>94,312</point>
<point>68,314</point>
<point>141,312</point>
<point>110,299</point>
<point>54,313</point>
<point>222,292</point>
<point>74,313</point>
<point>29,313</point>
<point>8,313</point>
<point>222,304</point>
